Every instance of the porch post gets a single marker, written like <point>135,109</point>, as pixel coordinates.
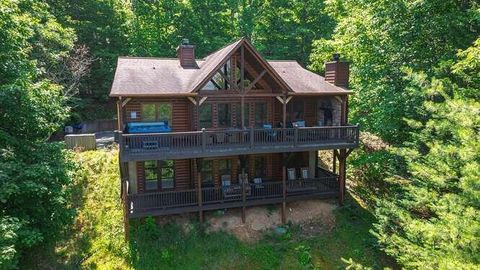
<point>242,106</point>
<point>341,175</point>
<point>119,114</point>
<point>311,163</point>
<point>284,185</point>
<point>334,161</point>
<point>284,105</point>
<point>199,188</point>
<point>126,204</point>
<point>243,163</point>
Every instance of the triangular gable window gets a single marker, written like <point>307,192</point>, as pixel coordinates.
<point>228,78</point>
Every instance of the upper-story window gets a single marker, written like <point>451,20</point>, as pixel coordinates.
<point>205,116</point>
<point>261,115</point>
<point>246,114</point>
<point>224,115</point>
<point>153,112</point>
<point>296,111</point>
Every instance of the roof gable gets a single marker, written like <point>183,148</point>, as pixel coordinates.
<point>219,58</point>
<point>150,77</point>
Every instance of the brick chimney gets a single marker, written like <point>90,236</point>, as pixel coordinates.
<point>186,54</point>
<point>337,72</point>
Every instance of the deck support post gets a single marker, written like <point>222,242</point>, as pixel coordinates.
<point>284,186</point>
<point>126,224</point>
<point>199,189</point>
<point>243,165</point>
<point>342,157</point>
<point>334,161</point>
<point>244,198</point>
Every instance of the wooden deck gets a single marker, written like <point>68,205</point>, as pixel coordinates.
<point>198,144</point>
<point>184,201</point>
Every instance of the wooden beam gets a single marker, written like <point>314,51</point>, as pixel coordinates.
<point>256,80</point>
<point>242,68</point>
<point>126,101</point>
<point>334,161</point>
<point>288,99</point>
<point>192,100</point>
<point>342,176</point>
<point>199,190</point>
<point>279,98</point>
<point>119,114</point>
<point>226,79</point>
<point>284,187</point>
<point>202,100</point>
<point>242,106</point>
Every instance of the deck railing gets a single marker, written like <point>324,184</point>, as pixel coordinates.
<point>224,197</point>
<point>199,143</point>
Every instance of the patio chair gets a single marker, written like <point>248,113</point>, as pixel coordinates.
<point>258,182</point>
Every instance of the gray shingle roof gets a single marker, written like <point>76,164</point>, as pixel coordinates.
<point>148,76</point>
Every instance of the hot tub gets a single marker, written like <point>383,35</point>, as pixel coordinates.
<point>147,127</point>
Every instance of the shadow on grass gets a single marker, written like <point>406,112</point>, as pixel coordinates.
<point>351,242</point>
<point>191,246</point>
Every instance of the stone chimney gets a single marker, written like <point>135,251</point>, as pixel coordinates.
<point>186,54</point>
<point>337,72</point>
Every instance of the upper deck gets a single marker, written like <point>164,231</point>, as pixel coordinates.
<point>199,144</point>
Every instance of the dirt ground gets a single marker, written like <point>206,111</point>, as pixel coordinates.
<point>311,215</point>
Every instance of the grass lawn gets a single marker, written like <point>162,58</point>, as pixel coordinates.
<point>96,241</point>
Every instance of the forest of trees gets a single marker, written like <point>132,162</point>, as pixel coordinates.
<point>415,71</point>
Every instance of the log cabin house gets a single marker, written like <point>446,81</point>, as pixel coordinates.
<point>230,130</point>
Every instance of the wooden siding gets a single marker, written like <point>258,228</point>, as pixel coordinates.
<point>180,111</point>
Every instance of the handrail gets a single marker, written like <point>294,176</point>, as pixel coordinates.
<point>210,140</point>
<point>230,194</point>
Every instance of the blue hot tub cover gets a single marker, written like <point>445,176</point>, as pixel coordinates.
<point>148,127</point>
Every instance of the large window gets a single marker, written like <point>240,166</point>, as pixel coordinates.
<point>157,112</point>
<point>207,173</point>
<point>205,116</point>
<point>225,167</point>
<point>224,115</point>
<point>159,174</point>
<point>246,114</point>
<point>151,175</point>
<point>260,167</point>
<point>296,111</point>
<point>167,174</point>
<point>261,115</point>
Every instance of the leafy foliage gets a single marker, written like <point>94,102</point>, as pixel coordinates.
<point>433,221</point>
<point>34,175</point>
<point>385,41</point>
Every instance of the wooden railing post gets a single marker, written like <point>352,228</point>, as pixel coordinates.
<point>295,136</point>
<point>204,140</point>
<point>251,137</point>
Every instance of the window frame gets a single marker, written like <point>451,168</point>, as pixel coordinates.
<point>159,171</point>
<point>157,110</point>
<point>209,171</point>
<point>228,114</point>
<point>210,105</point>
<point>264,119</point>
<point>264,169</point>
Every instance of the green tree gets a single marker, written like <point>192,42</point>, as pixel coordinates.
<point>34,174</point>
<point>386,39</point>
<point>285,29</point>
<point>432,221</point>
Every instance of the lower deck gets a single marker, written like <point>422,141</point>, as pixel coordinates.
<point>325,185</point>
